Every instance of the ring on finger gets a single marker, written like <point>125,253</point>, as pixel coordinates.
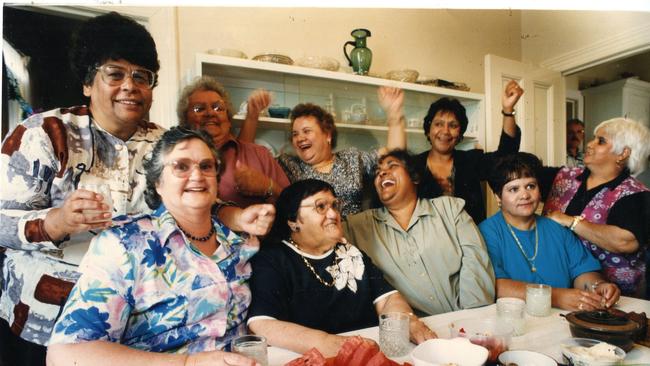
<point>580,306</point>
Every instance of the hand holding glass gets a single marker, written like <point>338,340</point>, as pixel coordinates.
<point>97,216</point>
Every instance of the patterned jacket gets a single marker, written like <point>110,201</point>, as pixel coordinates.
<point>42,161</point>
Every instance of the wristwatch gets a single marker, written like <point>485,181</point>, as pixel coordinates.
<point>509,114</point>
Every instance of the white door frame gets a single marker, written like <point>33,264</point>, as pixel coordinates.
<point>161,23</point>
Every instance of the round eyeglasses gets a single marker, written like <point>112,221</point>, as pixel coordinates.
<point>183,168</point>
<point>202,108</point>
<point>321,206</point>
<point>115,75</point>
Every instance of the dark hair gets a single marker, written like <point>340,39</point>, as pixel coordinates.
<point>155,164</point>
<point>111,37</point>
<point>288,204</point>
<point>511,167</point>
<point>407,159</point>
<point>446,105</point>
<point>575,121</point>
<point>324,119</point>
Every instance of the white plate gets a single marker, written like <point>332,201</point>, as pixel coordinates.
<point>526,358</point>
<point>459,351</point>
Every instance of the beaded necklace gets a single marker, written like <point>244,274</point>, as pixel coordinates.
<point>311,268</point>
<point>202,238</point>
<point>531,261</point>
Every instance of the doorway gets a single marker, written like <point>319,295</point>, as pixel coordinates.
<point>44,49</point>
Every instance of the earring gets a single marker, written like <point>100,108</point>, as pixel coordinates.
<point>329,142</point>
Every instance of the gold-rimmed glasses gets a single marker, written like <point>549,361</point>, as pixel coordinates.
<point>183,168</point>
<point>115,75</point>
<point>321,206</point>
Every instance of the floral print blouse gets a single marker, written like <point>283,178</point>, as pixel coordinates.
<point>144,285</point>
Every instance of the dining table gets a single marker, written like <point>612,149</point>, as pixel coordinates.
<point>542,334</point>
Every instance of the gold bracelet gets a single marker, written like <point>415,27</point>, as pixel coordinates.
<point>576,221</point>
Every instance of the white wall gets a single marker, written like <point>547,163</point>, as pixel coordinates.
<point>446,44</point>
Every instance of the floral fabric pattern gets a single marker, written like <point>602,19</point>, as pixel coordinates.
<point>351,170</point>
<point>43,160</point>
<point>145,286</point>
<point>625,270</point>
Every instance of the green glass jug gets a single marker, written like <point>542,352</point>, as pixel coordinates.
<point>361,56</point>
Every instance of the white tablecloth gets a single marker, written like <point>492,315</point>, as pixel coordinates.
<point>543,334</point>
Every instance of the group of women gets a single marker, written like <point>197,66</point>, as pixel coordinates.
<point>177,283</point>
<point>308,282</point>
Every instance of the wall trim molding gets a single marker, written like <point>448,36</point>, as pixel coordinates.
<point>624,44</point>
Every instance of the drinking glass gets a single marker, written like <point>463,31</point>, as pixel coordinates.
<point>105,191</point>
<point>252,346</point>
<point>511,311</point>
<point>538,299</point>
<point>394,333</point>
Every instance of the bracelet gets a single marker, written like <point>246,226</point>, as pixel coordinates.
<point>511,114</point>
<point>576,221</point>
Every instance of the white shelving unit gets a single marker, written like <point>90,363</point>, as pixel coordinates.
<point>291,85</point>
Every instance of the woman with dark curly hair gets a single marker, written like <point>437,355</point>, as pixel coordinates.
<point>48,156</point>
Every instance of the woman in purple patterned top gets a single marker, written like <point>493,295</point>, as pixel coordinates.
<point>604,205</point>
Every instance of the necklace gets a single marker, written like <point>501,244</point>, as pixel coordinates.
<point>531,261</point>
<point>311,268</point>
<point>202,238</point>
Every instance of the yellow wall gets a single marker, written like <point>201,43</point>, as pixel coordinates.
<point>446,44</point>
<point>547,34</point>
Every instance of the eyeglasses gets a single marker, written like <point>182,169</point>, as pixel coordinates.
<point>322,206</point>
<point>183,168</point>
<point>202,108</point>
<point>115,75</point>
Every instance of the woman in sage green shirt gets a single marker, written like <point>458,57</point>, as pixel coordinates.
<point>430,250</point>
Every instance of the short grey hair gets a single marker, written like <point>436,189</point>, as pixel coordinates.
<point>202,83</point>
<point>625,132</point>
<point>155,164</point>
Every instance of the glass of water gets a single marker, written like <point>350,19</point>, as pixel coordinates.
<point>394,333</point>
<point>105,191</point>
<point>538,299</point>
<point>252,346</point>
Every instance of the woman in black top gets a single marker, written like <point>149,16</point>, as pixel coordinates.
<point>308,283</point>
<point>447,171</point>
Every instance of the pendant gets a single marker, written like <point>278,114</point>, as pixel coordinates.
<point>533,269</point>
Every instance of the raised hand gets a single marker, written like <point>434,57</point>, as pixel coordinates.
<point>391,100</point>
<point>258,100</point>
<point>511,95</point>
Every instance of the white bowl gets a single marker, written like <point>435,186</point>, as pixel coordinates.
<point>572,346</point>
<point>459,351</point>
<point>526,358</point>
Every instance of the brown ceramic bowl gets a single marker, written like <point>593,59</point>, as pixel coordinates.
<point>604,326</point>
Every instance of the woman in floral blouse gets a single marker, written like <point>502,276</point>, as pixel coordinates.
<point>163,288</point>
<point>310,284</point>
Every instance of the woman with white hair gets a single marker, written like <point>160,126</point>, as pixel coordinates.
<point>604,205</point>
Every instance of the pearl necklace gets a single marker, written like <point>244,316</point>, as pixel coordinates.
<point>202,238</point>
<point>311,268</point>
<point>531,261</point>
